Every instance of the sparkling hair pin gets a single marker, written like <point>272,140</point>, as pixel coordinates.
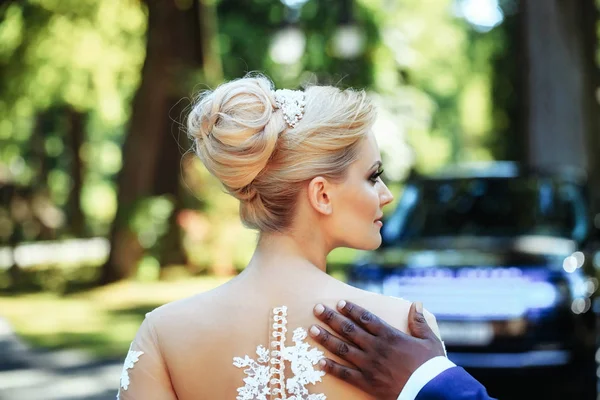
<point>291,103</point>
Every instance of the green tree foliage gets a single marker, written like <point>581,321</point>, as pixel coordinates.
<point>69,71</point>
<point>247,33</point>
<point>57,56</point>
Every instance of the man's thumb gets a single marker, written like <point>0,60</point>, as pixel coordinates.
<point>417,324</point>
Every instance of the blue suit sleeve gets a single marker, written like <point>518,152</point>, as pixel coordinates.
<point>453,384</point>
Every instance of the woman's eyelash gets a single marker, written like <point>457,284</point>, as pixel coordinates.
<point>376,175</point>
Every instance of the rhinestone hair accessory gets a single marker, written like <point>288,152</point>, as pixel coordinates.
<point>291,103</point>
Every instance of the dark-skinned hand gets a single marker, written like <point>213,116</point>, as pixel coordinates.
<point>382,357</point>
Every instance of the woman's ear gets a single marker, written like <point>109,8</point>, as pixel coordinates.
<point>319,195</point>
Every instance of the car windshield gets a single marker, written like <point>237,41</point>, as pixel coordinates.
<point>488,207</point>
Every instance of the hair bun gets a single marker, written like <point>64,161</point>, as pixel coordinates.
<point>236,131</point>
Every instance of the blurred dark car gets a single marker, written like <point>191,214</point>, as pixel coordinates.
<point>504,258</point>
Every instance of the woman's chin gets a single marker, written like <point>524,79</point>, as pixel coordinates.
<point>376,246</point>
<point>372,244</point>
<point>364,243</point>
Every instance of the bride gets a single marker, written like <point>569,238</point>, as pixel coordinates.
<point>306,169</point>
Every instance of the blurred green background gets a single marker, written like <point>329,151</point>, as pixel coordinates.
<point>105,211</point>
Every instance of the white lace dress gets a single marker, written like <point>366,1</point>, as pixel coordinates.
<point>266,376</point>
<point>281,369</point>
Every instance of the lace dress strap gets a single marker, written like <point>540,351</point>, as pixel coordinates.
<point>267,378</point>
<point>278,334</point>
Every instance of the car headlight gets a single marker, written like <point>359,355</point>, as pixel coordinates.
<point>543,295</point>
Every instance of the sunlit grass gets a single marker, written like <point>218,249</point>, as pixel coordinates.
<point>102,321</point>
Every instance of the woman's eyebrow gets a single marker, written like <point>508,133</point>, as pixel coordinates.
<point>377,163</point>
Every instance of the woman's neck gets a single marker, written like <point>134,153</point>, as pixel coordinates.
<point>276,250</point>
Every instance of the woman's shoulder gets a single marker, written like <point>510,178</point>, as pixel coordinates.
<point>184,310</point>
<point>393,310</point>
<point>377,299</point>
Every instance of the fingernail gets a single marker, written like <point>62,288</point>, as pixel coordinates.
<point>341,304</point>
<point>322,363</point>
<point>419,307</point>
<point>314,331</point>
<point>319,309</point>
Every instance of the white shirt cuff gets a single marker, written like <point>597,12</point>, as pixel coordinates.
<point>423,375</point>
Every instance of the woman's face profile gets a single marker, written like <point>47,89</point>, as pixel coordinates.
<point>359,200</point>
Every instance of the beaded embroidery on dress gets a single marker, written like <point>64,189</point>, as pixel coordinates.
<point>266,377</point>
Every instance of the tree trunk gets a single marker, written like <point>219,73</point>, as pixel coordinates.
<point>38,149</point>
<point>75,131</point>
<point>561,112</point>
<point>589,17</point>
<point>509,141</point>
<point>209,45</point>
<point>149,149</point>
<point>167,182</point>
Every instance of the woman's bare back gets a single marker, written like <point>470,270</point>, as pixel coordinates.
<point>196,339</point>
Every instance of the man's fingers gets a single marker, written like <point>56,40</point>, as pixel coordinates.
<point>417,324</point>
<point>343,326</point>
<point>369,321</point>
<point>335,345</point>
<point>350,375</point>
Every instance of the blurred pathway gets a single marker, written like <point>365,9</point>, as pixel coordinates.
<point>58,375</point>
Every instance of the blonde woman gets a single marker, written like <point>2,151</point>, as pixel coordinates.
<point>306,169</point>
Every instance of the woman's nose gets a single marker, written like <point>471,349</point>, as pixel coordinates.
<point>386,197</point>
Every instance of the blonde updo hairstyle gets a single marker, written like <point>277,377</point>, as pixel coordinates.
<point>243,140</point>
